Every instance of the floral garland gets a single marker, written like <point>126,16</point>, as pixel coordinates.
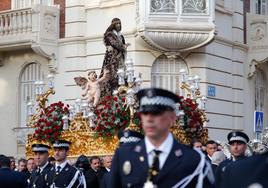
<point>50,124</point>
<point>192,120</point>
<point>112,115</point>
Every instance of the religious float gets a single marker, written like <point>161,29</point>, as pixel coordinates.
<point>93,122</point>
<point>109,105</point>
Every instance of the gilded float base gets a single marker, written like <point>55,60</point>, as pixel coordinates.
<point>83,143</point>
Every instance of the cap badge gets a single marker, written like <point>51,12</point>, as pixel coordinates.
<point>127,167</point>
<point>150,93</point>
<point>126,134</point>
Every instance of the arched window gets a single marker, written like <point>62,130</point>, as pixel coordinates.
<point>165,73</point>
<point>29,74</point>
<point>260,83</point>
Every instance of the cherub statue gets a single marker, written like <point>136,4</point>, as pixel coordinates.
<point>91,86</point>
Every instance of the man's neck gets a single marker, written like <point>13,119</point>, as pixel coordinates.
<point>238,157</point>
<point>158,141</point>
<point>60,162</point>
<point>41,166</point>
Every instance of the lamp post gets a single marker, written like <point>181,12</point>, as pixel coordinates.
<point>132,87</point>
<point>41,98</point>
<point>190,88</point>
<point>191,84</point>
<point>41,95</point>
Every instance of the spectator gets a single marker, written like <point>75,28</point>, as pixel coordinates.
<point>22,165</point>
<point>94,174</point>
<point>216,159</point>
<point>197,144</point>
<point>12,163</point>
<point>107,163</point>
<point>82,163</point>
<point>211,147</point>
<point>51,160</point>
<point>31,165</point>
<point>10,178</point>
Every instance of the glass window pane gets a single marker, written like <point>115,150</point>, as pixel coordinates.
<point>195,6</point>
<point>162,6</point>
<point>29,75</point>
<point>167,76</point>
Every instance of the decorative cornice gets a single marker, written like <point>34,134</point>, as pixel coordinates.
<point>108,4</point>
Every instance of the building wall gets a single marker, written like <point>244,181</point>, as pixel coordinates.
<point>5,5</point>
<point>13,63</point>
<point>61,4</point>
<point>220,63</point>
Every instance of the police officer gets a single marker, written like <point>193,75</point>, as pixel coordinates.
<point>238,145</point>
<point>42,176</point>
<point>248,173</point>
<point>65,175</point>
<point>158,160</point>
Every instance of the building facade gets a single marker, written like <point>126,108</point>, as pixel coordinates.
<point>222,41</point>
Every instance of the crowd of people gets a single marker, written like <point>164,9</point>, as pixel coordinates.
<point>155,161</point>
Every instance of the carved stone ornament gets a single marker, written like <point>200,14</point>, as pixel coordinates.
<point>258,32</point>
<point>175,41</point>
<point>49,24</point>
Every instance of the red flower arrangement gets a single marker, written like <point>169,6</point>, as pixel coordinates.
<point>193,123</point>
<point>112,115</point>
<point>49,125</point>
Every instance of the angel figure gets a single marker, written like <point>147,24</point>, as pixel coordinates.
<point>91,86</point>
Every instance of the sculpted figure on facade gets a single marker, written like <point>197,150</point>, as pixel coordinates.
<point>115,55</point>
<point>92,86</point>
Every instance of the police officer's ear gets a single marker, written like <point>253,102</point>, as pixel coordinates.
<point>67,151</point>
<point>172,117</point>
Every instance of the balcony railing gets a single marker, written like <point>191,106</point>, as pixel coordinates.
<point>36,27</point>
<point>176,25</point>
<point>15,22</point>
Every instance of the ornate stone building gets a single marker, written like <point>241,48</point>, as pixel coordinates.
<point>222,41</point>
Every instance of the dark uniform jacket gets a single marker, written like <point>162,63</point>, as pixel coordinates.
<point>130,166</point>
<point>94,178</point>
<point>66,175</point>
<point>42,179</point>
<point>251,172</point>
<point>221,169</point>
<point>12,179</point>
<point>105,180</point>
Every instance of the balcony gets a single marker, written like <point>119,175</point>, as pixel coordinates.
<point>175,25</point>
<point>257,40</point>
<point>36,28</point>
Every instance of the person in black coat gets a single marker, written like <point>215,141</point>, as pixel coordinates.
<point>238,145</point>
<point>42,176</point>
<point>95,173</point>
<point>251,172</point>
<point>10,178</point>
<point>159,160</point>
